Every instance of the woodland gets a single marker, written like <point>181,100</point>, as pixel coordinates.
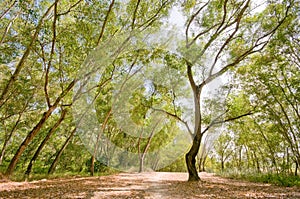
<point>90,87</point>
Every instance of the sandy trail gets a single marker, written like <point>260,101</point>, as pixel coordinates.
<point>145,185</point>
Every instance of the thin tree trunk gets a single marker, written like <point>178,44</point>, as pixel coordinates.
<point>50,133</point>
<point>288,164</point>
<point>240,158</point>
<point>6,141</point>
<point>143,153</point>
<point>222,165</point>
<point>256,162</point>
<point>155,164</point>
<point>200,164</point>
<point>269,147</point>
<point>141,168</point>
<point>54,163</point>
<point>97,141</point>
<point>92,167</point>
<point>203,163</point>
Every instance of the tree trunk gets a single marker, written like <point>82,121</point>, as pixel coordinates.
<point>191,164</point>
<point>222,165</point>
<point>3,153</point>
<point>27,140</point>
<point>11,134</point>
<point>288,164</point>
<point>142,154</point>
<point>7,139</point>
<point>190,157</point>
<point>51,131</point>
<point>257,162</point>
<point>203,163</point>
<point>240,158</point>
<point>155,164</point>
<point>200,164</point>
<point>141,168</point>
<point>296,169</point>
<point>54,163</point>
<point>92,167</point>
<point>222,161</point>
<point>202,159</point>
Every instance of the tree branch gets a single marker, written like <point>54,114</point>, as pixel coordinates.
<point>191,20</point>
<point>237,21</point>
<point>5,11</point>
<point>70,9</point>
<point>134,14</point>
<point>176,117</point>
<point>105,21</point>
<point>215,121</point>
<point>153,18</point>
<point>51,56</point>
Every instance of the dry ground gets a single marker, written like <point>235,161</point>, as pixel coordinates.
<point>146,185</point>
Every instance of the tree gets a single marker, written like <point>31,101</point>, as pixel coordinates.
<point>229,33</point>
<point>223,148</point>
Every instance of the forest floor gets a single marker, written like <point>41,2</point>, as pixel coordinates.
<point>145,185</point>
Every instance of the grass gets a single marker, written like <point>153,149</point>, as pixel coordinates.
<point>270,178</point>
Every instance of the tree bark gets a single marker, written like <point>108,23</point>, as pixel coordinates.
<point>190,157</point>
<point>142,154</point>
<point>142,157</point>
<point>296,169</point>
<point>50,133</point>
<point>203,163</point>
<point>27,140</point>
<point>54,163</point>
<point>92,167</point>
<point>222,165</point>
<point>7,139</point>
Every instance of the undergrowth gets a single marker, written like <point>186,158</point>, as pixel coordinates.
<point>270,178</point>
<point>18,176</point>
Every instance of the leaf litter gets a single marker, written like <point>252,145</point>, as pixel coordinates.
<point>144,185</point>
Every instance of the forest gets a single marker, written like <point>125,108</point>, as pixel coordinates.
<point>89,87</point>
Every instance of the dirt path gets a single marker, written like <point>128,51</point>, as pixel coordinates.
<point>146,185</point>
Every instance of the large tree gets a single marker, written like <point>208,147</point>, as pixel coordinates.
<point>220,36</point>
